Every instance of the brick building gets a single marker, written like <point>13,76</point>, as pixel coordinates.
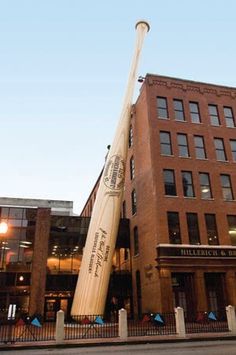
<point>40,257</point>
<point>179,195</point>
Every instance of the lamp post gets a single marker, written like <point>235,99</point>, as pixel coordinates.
<point>3,230</point>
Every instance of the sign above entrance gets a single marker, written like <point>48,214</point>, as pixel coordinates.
<point>168,251</point>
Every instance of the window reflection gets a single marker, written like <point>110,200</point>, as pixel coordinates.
<point>16,246</point>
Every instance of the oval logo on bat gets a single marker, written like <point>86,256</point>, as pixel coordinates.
<point>114,173</point>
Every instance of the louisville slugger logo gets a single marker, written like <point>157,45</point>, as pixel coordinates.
<point>114,173</point>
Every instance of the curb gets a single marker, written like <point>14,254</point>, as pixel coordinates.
<point>100,342</point>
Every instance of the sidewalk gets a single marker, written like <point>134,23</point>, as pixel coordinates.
<point>117,341</point>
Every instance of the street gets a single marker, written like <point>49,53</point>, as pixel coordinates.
<point>183,348</point>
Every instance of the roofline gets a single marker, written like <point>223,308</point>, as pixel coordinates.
<point>190,81</point>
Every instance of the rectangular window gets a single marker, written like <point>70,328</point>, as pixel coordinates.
<point>214,116</point>
<point>232,228</point>
<point>205,186</point>
<point>211,227</point>
<point>194,112</point>
<point>169,182</point>
<point>199,147</point>
<point>132,168</point>
<point>220,149</point>
<point>187,181</point>
<point>130,136</point>
<point>162,107</point>
<point>174,227</point>
<point>134,202</point>
<point>226,187</point>
<point>179,110</point>
<point>165,141</point>
<point>229,117</point>
<point>233,148</point>
<point>136,241</point>
<point>183,145</point>
<point>193,229</point>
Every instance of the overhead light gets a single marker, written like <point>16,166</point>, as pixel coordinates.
<point>24,246</point>
<point>232,232</point>
<point>205,189</point>
<point>3,227</point>
<point>25,242</point>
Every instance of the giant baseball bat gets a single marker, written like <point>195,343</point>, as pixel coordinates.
<point>91,290</point>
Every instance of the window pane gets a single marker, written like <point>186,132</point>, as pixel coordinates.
<point>130,136</point>
<point>187,184</point>
<point>179,110</point>
<point>205,186</point>
<point>214,117</point>
<point>174,227</point>
<point>162,107</point>
<point>132,168</point>
<point>229,118</point>
<point>211,227</point>
<point>232,228</point>
<point>165,143</point>
<point>226,187</point>
<point>134,202</point>
<point>233,148</point>
<point>220,150</point>
<point>194,112</point>
<point>199,147</point>
<point>193,229</point>
<point>169,183</point>
<point>183,145</point>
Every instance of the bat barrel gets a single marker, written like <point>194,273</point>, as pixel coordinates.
<point>91,290</point>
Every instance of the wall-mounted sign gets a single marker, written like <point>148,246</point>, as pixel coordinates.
<point>195,252</point>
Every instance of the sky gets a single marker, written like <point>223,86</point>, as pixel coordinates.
<point>64,66</point>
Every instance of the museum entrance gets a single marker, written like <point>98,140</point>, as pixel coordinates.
<point>215,291</point>
<point>53,305</point>
<point>182,287</point>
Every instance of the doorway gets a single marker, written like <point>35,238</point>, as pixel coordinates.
<point>216,295</point>
<point>182,288</point>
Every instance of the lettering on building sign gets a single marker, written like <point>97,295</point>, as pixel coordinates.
<point>114,173</point>
<point>196,252</point>
<point>99,254</point>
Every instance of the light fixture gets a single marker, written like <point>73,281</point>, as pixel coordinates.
<point>3,227</point>
<point>21,278</point>
<point>141,79</point>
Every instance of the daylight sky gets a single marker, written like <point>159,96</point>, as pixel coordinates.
<point>63,71</point>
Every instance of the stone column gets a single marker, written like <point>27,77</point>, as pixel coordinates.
<point>200,292</point>
<point>39,263</point>
<point>123,326</point>
<point>60,330</point>
<point>230,282</point>
<point>166,291</point>
<point>180,323</point>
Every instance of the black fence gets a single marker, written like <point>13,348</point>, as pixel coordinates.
<point>25,329</point>
<point>153,324</point>
<point>207,322</point>
<point>90,327</point>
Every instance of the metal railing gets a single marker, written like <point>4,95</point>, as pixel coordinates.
<point>153,324</point>
<point>207,322</point>
<point>26,330</point>
<point>90,327</point>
